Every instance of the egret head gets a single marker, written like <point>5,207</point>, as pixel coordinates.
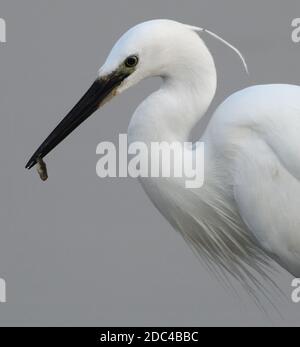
<point>156,48</point>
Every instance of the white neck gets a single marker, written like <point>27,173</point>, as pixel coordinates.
<point>170,113</point>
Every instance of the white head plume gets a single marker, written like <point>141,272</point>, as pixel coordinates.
<point>223,41</point>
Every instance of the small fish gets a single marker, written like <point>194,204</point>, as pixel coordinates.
<point>42,169</point>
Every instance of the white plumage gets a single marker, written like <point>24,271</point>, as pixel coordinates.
<point>247,212</point>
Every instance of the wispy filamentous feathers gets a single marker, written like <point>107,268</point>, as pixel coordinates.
<point>221,240</point>
<point>219,38</point>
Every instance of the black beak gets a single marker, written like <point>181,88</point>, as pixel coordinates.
<point>98,93</point>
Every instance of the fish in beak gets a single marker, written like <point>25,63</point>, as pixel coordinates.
<point>102,90</point>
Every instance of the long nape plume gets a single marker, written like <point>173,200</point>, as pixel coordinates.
<point>223,41</point>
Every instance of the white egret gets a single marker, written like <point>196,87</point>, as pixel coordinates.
<point>247,212</point>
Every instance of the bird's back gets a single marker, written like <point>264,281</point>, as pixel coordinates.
<point>254,136</point>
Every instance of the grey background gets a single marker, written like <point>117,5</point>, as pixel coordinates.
<point>80,250</point>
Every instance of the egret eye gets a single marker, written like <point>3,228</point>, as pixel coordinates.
<point>131,61</point>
